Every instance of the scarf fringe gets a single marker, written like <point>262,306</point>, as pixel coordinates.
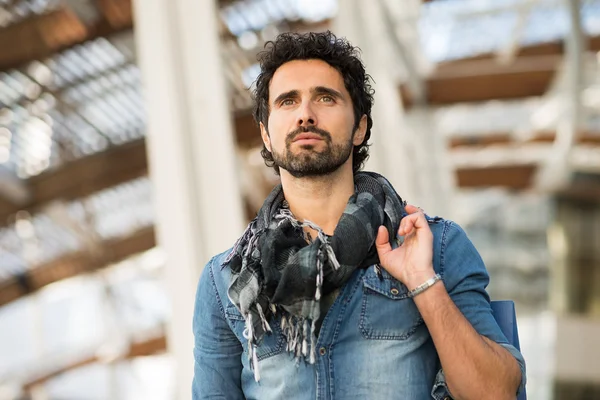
<point>300,332</point>
<point>300,336</point>
<point>299,328</point>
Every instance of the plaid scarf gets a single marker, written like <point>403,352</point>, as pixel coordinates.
<point>276,270</point>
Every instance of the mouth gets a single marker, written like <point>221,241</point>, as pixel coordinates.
<point>307,138</point>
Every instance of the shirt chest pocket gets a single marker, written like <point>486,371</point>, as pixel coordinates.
<point>387,311</point>
<point>270,345</point>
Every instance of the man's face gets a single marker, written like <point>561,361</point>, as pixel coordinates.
<point>311,120</point>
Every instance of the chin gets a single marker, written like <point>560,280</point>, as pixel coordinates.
<point>307,146</point>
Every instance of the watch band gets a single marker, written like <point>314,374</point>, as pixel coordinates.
<point>424,286</point>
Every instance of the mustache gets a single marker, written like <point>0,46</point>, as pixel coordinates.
<point>305,129</point>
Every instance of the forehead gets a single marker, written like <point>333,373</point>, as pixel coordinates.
<point>305,74</point>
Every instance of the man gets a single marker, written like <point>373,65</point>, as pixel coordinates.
<point>338,290</point>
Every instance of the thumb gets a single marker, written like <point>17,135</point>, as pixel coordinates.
<point>382,242</point>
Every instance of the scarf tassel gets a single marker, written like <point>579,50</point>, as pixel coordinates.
<point>252,356</point>
<point>331,257</point>
<point>263,320</point>
<point>246,257</point>
<point>319,280</point>
<point>313,344</point>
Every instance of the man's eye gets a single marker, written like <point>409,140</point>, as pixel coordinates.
<point>327,99</point>
<point>287,102</point>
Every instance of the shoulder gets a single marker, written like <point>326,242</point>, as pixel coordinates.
<point>211,292</point>
<point>446,231</point>
<point>215,273</point>
<point>220,258</point>
<point>451,245</point>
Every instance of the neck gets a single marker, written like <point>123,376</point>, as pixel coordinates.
<point>320,199</point>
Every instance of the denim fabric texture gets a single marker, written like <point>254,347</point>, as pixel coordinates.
<point>373,343</point>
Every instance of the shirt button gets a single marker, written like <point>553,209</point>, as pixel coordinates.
<point>322,351</point>
<point>394,291</point>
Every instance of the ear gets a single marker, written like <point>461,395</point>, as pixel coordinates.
<point>265,136</point>
<point>361,131</point>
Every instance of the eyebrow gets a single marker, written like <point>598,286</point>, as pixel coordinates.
<point>329,91</point>
<point>316,90</point>
<point>286,95</point>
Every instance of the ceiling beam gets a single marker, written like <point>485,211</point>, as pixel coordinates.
<point>42,36</point>
<point>85,176</point>
<point>156,344</point>
<point>118,14</point>
<point>516,177</point>
<point>505,138</point>
<point>483,77</point>
<point>79,179</point>
<point>39,37</point>
<point>556,48</point>
<point>70,265</point>
<point>88,175</point>
<point>12,189</point>
<point>486,79</point>
<point>82,177</point>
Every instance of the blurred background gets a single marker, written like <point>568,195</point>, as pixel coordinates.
<point>129,157</point>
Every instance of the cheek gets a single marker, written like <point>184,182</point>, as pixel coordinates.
<point>341,122</point>
<point>277,130</point>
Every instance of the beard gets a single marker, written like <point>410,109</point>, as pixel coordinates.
<point>309,162</point>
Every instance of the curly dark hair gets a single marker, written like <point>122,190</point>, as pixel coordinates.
<point>338,53</point>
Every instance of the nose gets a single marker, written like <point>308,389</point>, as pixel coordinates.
<point>306,115</point>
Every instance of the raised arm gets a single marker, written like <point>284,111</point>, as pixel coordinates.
<point>477,361</point>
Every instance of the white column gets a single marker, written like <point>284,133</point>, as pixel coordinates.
<point>390,153</point>
<point>191,153</point>
<point>556,171</point>
<point>406,148</point>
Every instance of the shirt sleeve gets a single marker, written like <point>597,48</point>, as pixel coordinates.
<point>466,278</point>
<point>217,351</point>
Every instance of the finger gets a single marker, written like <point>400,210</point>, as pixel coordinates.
<point>412,221</point>
<point>382,242</point>
<point>407,224</point>
<point>412,209</point>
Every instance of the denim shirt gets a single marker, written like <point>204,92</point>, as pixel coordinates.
<point>373,343</point>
